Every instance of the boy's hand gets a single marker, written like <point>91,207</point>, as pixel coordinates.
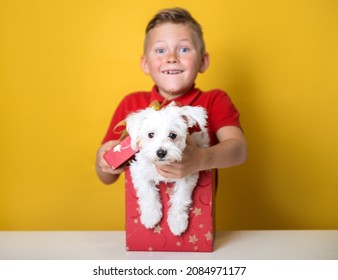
<point>101,162</point>
<point>107,174</point>
<point>190,163</point>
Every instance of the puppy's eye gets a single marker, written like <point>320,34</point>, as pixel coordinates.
<point>172,135</point>
<point>150,134</point>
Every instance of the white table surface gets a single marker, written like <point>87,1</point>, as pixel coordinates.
<point>108,245</point>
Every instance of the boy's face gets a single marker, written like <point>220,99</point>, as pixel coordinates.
<point>172,58</point>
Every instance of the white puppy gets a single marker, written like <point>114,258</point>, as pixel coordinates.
<point>161,136</point>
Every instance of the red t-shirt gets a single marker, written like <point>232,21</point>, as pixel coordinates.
<point>221,111</point>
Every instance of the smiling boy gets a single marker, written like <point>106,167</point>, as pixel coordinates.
<point>174,54</point>
<point>173,58</point>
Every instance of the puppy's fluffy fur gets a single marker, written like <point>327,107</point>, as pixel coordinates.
<point>161,136</point>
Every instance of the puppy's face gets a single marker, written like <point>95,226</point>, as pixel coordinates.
<point>162,134</point>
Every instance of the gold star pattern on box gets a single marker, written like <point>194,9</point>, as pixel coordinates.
<point>208,236</point>
<point>197,211</point>
<point>169,191</point>
<point>193,239</point>
<point>157,229</point>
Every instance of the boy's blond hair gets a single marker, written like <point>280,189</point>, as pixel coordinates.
<point>177,16</point>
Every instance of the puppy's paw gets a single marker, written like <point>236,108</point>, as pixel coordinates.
<point>151,216</point>
<point>178,221</point>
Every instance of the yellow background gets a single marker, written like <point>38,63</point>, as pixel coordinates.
<point>64,66</point>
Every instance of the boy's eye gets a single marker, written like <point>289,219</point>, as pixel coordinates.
<point>183,49</point>
<point>160,51</point>
<point>172,135</point>
<point>150,134</point>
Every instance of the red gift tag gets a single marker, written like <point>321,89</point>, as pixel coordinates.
<point>121,153</point>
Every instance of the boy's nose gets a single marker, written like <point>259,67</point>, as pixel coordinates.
<point>172,59</point>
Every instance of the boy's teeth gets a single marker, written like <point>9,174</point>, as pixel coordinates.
<point>172,72</point>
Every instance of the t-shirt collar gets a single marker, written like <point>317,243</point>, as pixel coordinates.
<point>185,99</point>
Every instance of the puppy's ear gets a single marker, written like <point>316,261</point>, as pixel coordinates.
<point>194,115</point>
<point>134,124</point>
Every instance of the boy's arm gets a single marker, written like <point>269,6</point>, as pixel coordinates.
<point>230,151</point>
<point>106,174</point>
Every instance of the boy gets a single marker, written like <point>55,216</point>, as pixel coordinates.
<point>174,53</point>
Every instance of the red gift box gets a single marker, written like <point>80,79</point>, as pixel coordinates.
<point>120,153</point>
<point>199,235</point>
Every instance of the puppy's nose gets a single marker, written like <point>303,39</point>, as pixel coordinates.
<point>161,153</point>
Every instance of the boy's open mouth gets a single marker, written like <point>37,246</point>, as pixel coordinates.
<point>172,72</point>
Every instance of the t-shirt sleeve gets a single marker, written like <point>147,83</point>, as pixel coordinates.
<point>113,132</point>
<point>223,112</point>
<point>130,103</point>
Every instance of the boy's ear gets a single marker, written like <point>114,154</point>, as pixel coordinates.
<point>205,62</point>
<point>144,64</point>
